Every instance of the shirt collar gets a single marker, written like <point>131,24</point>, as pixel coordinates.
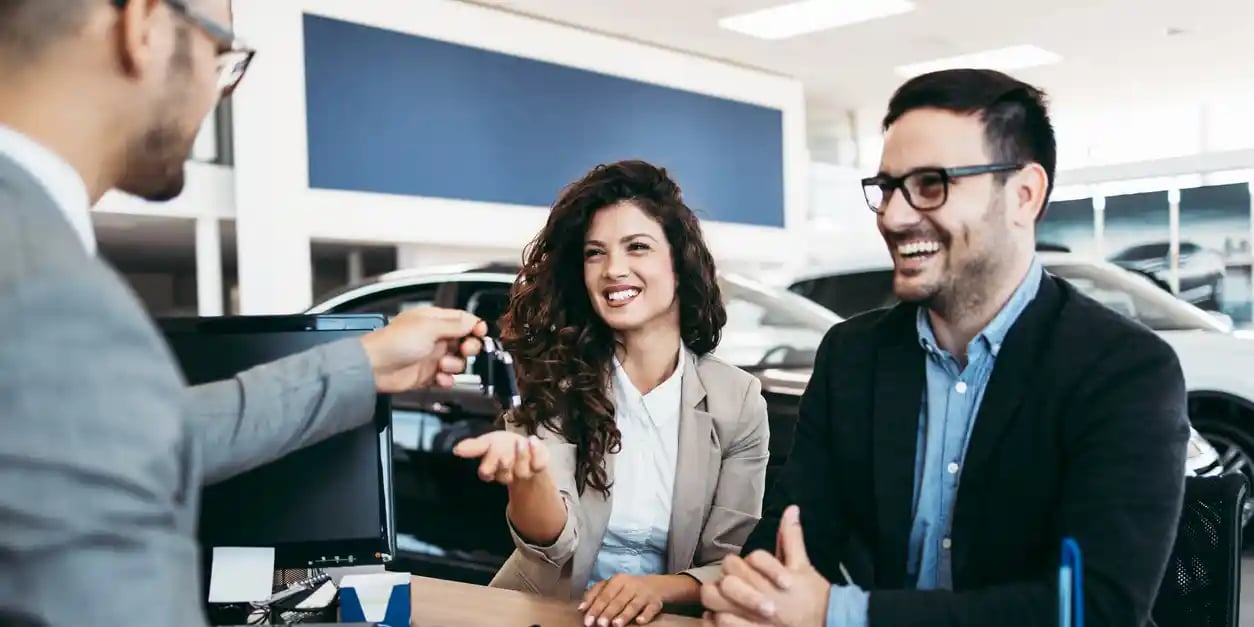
<point>662,401</point>
<point>59,179</point>
<point>993,334</point>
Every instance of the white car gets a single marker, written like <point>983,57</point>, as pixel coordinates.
<point>1218,363</point>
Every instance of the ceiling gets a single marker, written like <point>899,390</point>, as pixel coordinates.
<point>1114,51</point>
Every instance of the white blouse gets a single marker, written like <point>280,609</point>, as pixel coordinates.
<point>635,541</point>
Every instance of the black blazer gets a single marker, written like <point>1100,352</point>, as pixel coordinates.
<point>1082,432</point>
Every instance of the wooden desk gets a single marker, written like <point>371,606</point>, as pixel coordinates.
<point>440,603</point>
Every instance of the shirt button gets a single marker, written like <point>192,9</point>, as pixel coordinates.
<point>953,468</point>
<point>946,543</point>
<point>961,387</point>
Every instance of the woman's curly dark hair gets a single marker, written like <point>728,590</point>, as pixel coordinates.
<point>562,348</point>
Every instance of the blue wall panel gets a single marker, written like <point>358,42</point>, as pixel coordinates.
<point>401,114</point>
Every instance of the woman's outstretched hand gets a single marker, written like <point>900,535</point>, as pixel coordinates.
<point>506,457</point>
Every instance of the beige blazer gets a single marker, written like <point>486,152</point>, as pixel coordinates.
<point>719,483</point>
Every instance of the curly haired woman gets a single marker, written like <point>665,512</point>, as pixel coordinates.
<point>637,459</point>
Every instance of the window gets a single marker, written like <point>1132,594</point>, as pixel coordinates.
<point>770,327</point>
<point>392,302</point>
<point>850,294</point>
<point>486,299</point>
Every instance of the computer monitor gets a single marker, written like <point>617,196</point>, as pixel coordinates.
<point>326,505</point>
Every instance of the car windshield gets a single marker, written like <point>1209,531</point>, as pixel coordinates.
<point>1135,296</point>
<point>769,327</point>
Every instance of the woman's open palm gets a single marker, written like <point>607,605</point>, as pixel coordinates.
<point>506,457</point>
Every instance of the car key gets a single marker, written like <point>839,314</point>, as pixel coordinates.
<point>499,378</point>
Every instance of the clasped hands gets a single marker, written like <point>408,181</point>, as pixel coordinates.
<point>763,589</point>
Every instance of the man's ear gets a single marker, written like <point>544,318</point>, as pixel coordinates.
<point>1029,186</point>
<point>136,25</point>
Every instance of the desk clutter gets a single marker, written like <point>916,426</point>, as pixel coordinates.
<point>390,599</point>
<point>375,598</point>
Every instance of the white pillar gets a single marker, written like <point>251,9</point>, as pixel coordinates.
<point>208,267</point>
<point>356,266</point>
<point>1173,213</point>
<point>271,177</point>
<point>409,256</point>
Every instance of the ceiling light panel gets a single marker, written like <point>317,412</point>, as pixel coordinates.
<point>1004,59</point>
<point>808,16</point>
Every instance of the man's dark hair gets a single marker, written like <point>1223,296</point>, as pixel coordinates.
<point>28,27</point>
<point>1016,123</point>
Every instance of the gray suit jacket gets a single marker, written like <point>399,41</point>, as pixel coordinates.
<point>103,450</point>
<point>720,479</point>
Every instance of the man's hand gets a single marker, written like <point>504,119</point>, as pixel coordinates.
<point>622,600</point>
<point>765,589</point>
<point>507,457</point>
<point>422,346</point>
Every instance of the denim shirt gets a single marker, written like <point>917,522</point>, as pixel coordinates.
<point>951,400</point>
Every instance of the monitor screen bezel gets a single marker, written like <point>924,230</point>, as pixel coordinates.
<point>328,553</point>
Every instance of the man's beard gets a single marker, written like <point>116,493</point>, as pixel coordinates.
<point>967,288</point>
<point>968,284</point>
<point>155,162</point>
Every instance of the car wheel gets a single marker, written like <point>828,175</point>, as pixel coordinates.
<point>1236,454</point>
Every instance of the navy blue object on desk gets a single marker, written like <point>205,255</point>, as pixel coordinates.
<point>397,613</point>
<point>1071,585</point>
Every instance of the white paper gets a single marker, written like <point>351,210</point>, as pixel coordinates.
<point>374,591</point>
<point>320,598</point>
<point>241,574</point>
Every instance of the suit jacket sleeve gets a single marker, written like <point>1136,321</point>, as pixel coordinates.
<point>562,468</point>
<point>271,410</point>
<point>94,464</point>
<point>738,496</point>
<point>1122,495</point>
<point>806,479</point>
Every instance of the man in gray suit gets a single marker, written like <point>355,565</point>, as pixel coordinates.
<point>103,450</point>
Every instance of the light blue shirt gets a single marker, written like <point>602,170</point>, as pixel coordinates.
<point>630,551</point>
<point>951,401</point>
<point>638,530</point>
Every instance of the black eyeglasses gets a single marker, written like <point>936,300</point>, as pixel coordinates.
<point>234,55</point>
<point>925,189</point>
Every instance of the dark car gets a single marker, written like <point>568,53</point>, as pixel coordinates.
<point>1201,271</point>
<point>452,525</point>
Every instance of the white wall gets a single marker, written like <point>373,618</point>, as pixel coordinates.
<point>277,213</point>
<point>843,231</point>
<point>1098,142</point>
<point>208,196</point>
<point>209,193</point>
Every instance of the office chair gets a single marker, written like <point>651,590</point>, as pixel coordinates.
<point>1202,585</point>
